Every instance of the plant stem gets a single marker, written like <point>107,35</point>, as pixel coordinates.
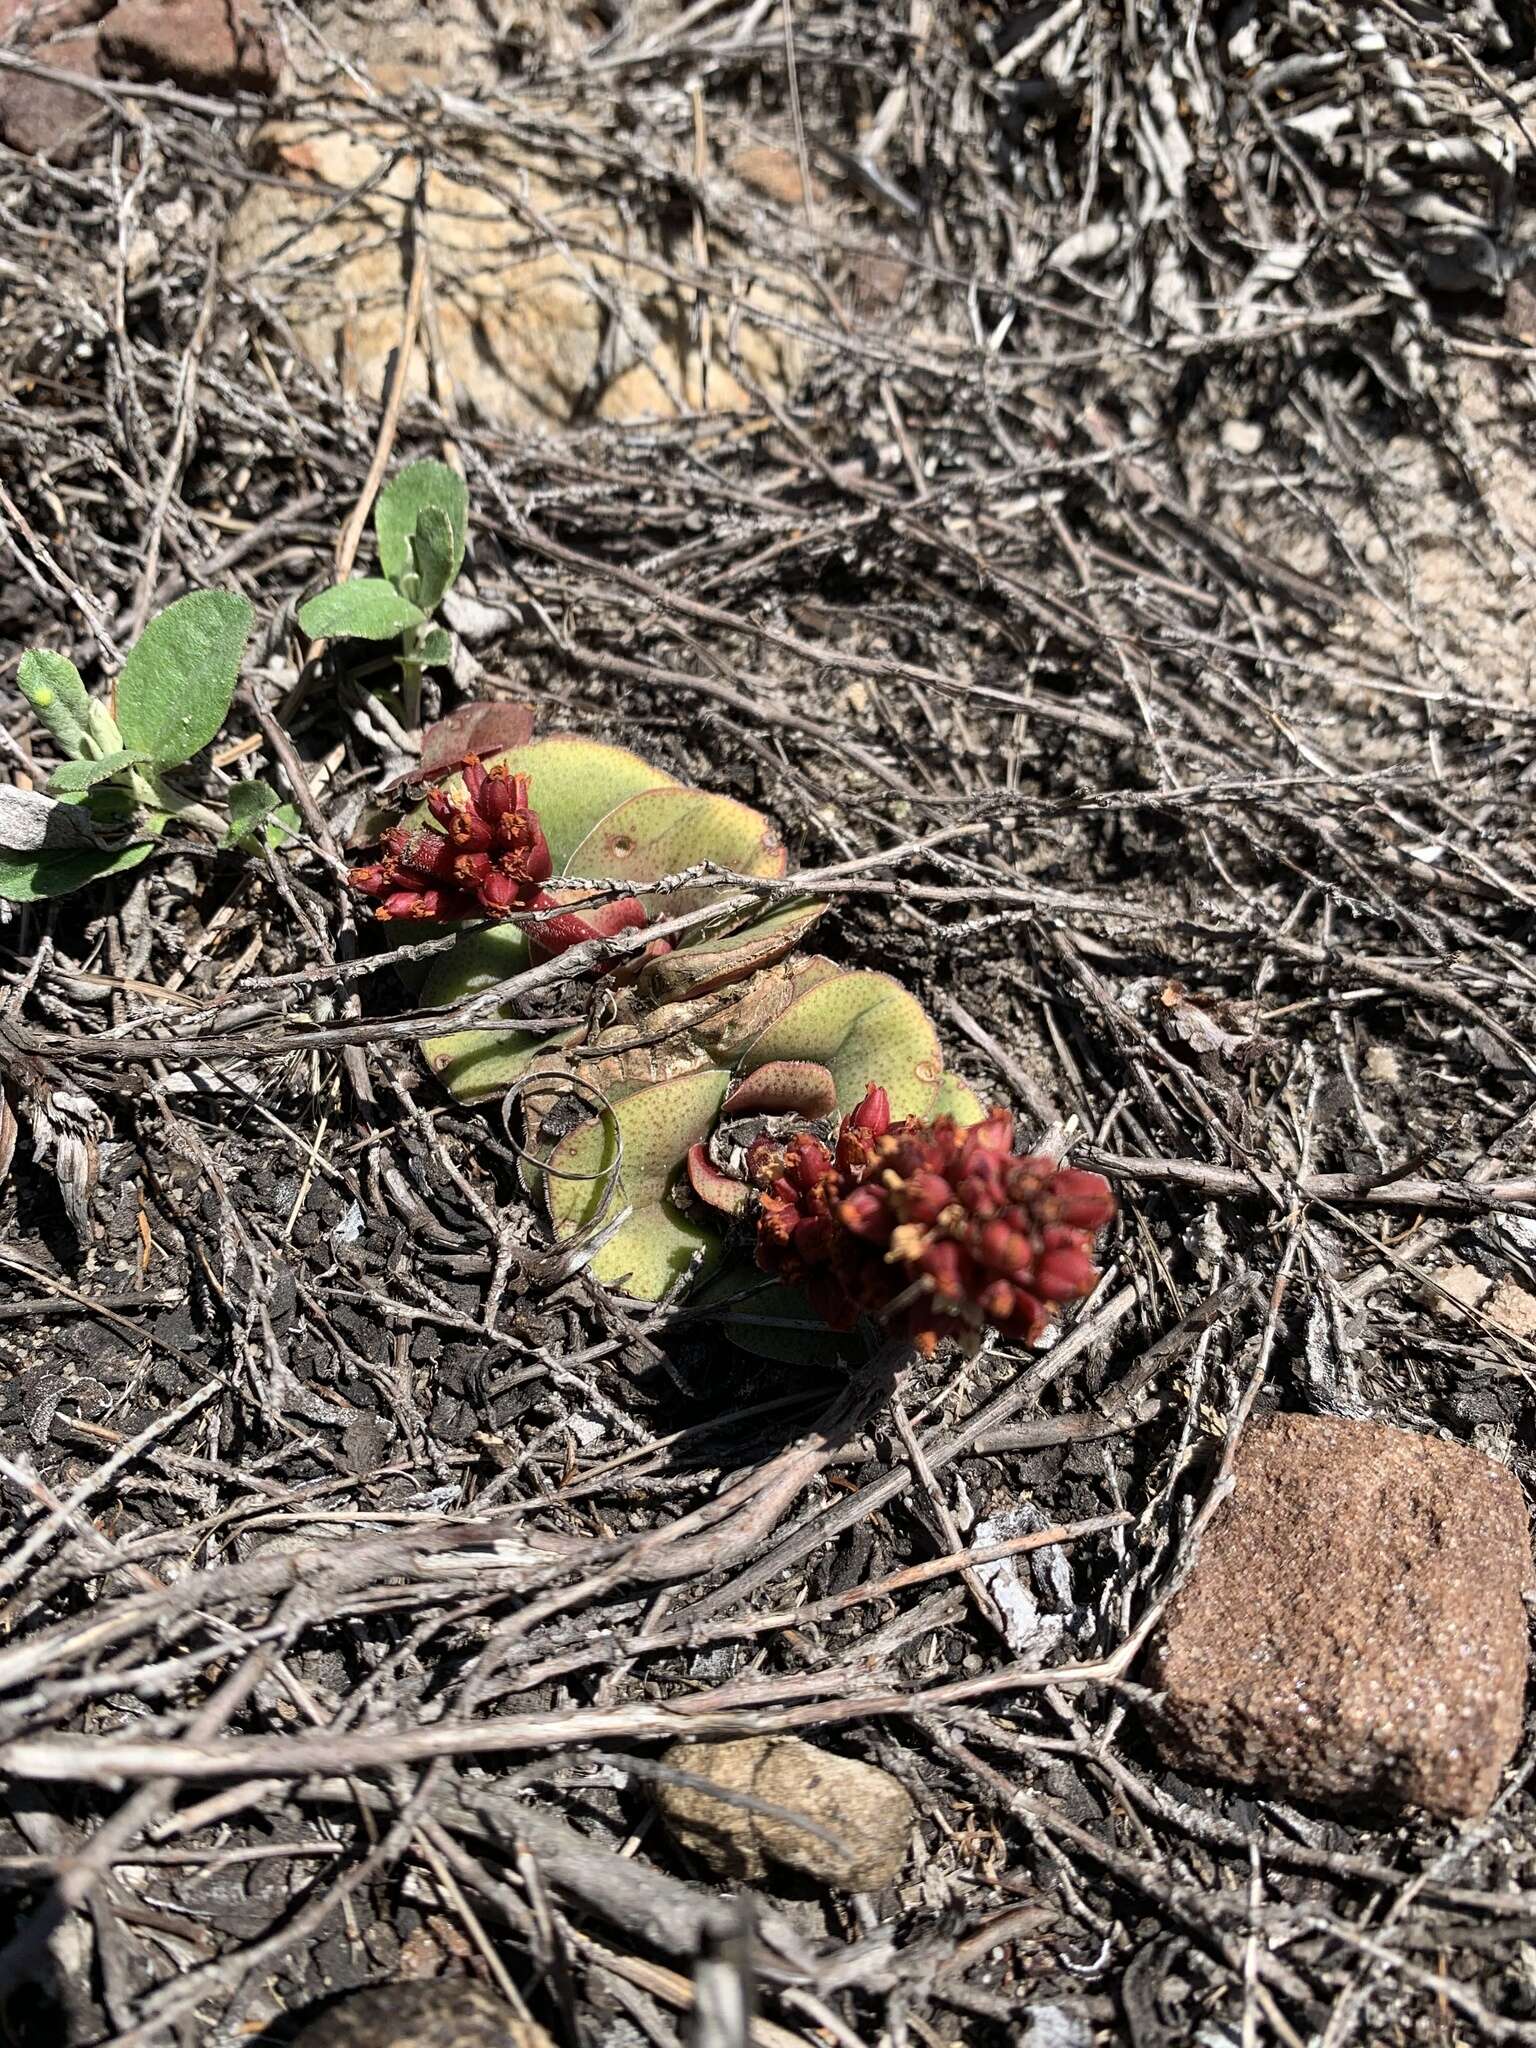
<point>149,790</point>
<point>410,676</point>
<point>410,695</point>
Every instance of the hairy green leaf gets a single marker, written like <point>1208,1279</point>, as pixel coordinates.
<point>397,516</point>
<point>72,776</point>
<point>28,877</point>
<point>51,685</point>
<point>176,685</point>
<point>256,814</point>
<point>432,548</point>
<point>368,608</point>
<point>435,649</point>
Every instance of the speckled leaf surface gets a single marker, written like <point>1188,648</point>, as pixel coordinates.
<point>666,831</point>
<point>648,1134</point>
<point>957,1099</point>
<point>865,1029</point>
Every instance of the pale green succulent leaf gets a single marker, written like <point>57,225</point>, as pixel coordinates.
<point>867,1030</point>
<point>476,1064</point>
<point>572,783</point>
<point>631,1157</point>
<point>957,1099</point>
<point>667,831</point>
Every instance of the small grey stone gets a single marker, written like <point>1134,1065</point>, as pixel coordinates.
<point>1242,437</point>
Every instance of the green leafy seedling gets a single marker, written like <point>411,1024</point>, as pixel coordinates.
<point>421,523</point>
<point>174,693</point>
<point>258,817</point>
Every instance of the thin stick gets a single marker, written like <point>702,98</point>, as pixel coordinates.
<point>352,533</point>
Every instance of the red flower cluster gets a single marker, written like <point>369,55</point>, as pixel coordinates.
<point>934,1229</point>
<point>490,858</point>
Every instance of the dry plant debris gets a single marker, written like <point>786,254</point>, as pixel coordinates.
<point>1120,579</point>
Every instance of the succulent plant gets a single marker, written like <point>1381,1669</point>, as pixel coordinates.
<point>736,1107</point>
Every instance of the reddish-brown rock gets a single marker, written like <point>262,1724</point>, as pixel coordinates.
<point>48,116</point>
<point>203,45</point>
<point>1353,1629</point>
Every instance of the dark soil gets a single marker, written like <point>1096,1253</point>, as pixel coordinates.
<point>289,1427</point>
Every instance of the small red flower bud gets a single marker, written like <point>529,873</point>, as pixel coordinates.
<point>493,852</point>
<point>807,1162</point>
<point>423,903</point>
<point>939,1230</point>
<point>993,1134</point>
<point>1082,1199</point>
<point>494,791</point>
<point>420,853</point>
<point>815,1237</point>
<point>983,1191</point>
<point>998,1301</point>
<point>947,1267</point>
<point>1065,1274</point>
<point>873,1113</point>
<point>867,1213</point>
<point>1004,1249</point>
<point>498,890</point>
<point>538,862</point>
<point>925,1197</point>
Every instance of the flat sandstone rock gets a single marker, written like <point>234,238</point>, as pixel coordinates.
<point>553,294</point>
<point>862,1816</point>
<point>1353,1629</point>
